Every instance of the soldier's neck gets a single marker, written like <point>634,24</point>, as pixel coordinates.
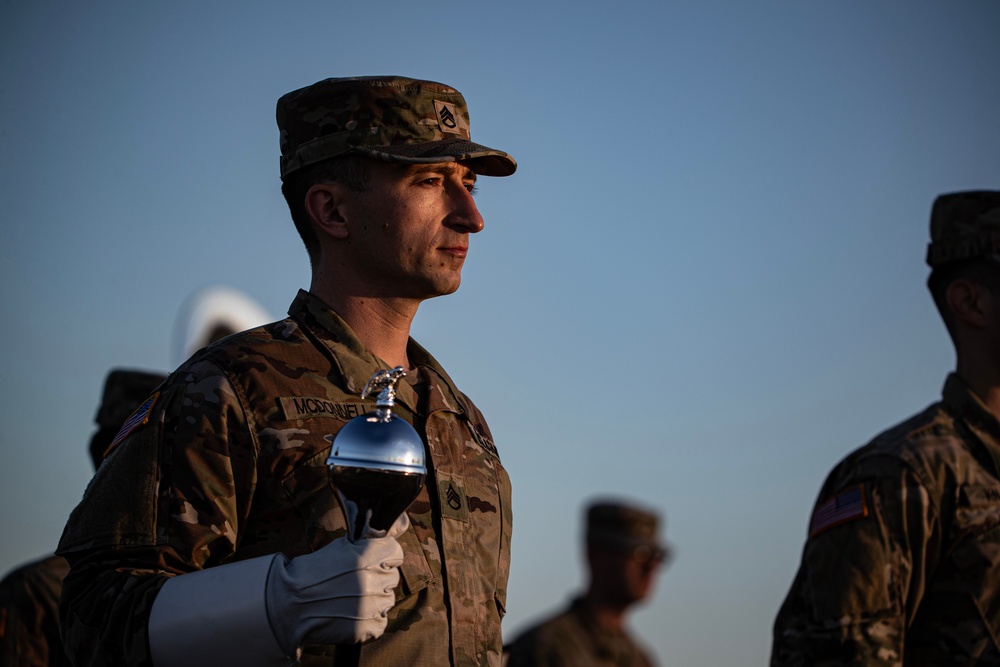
<point>607,614</point>
<point>983,379</point>
<point>383,325</point>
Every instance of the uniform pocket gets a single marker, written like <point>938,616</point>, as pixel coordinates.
<point>978,555</point>
<point>121,505</point>
<point>414,574</point>
<point>311,498</point>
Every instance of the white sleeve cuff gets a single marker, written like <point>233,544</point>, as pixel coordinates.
<point>215,617</point>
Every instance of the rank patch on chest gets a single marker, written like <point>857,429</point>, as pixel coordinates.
<point>451,495</point>
<point>847,505</point>
<point>302,407</point>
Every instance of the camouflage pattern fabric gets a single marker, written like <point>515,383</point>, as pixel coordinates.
<point>391,118</point>
<point>903,563</point>
<point>29,615</point>
<point>230,465</point>
<point>574,638</point>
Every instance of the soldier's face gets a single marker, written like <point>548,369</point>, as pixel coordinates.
<point>625,575</point>
<point>409,233</point>
<point>638,575</point>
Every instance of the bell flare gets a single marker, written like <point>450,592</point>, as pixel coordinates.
<point>372,499</point>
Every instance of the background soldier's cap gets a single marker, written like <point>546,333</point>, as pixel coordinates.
<point>124,391</point>
<point>964,225</point>
<point>390,118</point>
<point>622,526</point>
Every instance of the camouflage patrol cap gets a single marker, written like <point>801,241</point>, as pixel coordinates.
<point>964,225</point>
<point>124,391</point>
<point>391,118</point>
<point>624,526</point>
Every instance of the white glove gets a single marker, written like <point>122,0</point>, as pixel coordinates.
<point>339,594</point>
<point>260,611</point>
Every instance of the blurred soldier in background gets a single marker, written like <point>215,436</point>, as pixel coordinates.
<point>624,554</point>
<point>902,561</point>
<point>29,595</point>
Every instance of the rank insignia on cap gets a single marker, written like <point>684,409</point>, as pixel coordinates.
<point>448,119</point>
<point>845,506</point>
<point>138,418</point>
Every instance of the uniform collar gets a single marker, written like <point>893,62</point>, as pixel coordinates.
<point>356,364</point>
<point>965,403</point>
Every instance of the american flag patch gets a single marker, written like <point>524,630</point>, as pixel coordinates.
<point>845,506</point>
<point>138,418</point>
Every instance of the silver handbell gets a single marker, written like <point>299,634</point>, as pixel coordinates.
<point>376,463</point>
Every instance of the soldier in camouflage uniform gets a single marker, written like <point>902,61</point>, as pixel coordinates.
<point>222,477</point>
<point>29,615</point>
<point>29,596</point>
<point>902,562</point>
<point>623,555</point>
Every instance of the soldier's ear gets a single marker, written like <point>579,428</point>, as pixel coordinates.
<point>324,204</point>
<point>970,302</point>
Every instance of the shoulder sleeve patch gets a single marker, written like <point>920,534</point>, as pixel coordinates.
<point>847,505</point>
<point>138,418</point>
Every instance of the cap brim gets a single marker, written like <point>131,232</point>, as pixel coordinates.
<point>483,160</point>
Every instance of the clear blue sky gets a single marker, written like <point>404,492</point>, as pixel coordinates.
<point>704,285</point>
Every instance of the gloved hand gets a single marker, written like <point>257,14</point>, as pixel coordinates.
<point>339,594</point>
<point>259,611</point>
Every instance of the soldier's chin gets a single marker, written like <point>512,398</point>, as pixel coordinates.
<point>445,288</point>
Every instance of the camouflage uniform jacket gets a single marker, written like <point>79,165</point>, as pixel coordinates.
<point>574,638</point>
<point>29,615</point>
<point>902,566</point>
<point>231,465</point>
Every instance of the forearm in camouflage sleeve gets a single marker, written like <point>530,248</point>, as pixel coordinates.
<point>29,614</point>
<point>165,502</point>
<point>104,614</point>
